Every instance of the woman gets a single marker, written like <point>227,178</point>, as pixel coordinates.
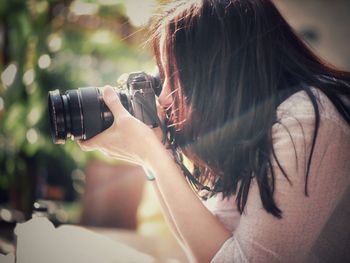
<point>266,125</point>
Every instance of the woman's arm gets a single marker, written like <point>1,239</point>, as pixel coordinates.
<point>170,221</point>
<point>131,140</point>
<point>166,213</point>
<point>199,229</point>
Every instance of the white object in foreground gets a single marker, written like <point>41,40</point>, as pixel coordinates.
<point>38,241</point>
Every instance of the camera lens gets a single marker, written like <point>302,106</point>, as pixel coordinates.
<point>82,113</point>
<point>78,114</point>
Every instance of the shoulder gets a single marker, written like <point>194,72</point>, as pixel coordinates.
<point>293,135</point>
<point>258,233</point>
<point>299,107</point>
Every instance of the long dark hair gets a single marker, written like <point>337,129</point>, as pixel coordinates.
<point>230,64</point>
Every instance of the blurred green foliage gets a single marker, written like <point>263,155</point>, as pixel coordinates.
<point>49,44</point>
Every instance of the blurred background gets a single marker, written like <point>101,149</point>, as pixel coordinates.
<point>66,44</point>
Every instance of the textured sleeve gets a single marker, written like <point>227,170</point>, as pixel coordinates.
<point>261,237</point>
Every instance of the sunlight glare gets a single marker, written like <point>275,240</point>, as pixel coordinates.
<point>140,12</point>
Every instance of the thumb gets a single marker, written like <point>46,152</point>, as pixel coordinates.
<point>112,101</point>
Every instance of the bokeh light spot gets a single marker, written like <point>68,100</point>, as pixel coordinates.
<point>34,116</point>
<point>29,77</point>
<point>2,104</point>
<point>32,136</point>
<point>9,74</point>
<point>44,61</point>
<point>82,8</point>
<point>6,215</point>
<point>102,37</point>
<point>55,42</point>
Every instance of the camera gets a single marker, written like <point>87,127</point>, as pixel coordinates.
<point>81,114</point>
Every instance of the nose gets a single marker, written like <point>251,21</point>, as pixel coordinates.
<point>165,99</point>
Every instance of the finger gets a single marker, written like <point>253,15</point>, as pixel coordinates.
<point>113,103</point>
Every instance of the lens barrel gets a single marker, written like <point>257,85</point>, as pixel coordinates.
<point>77,114</point>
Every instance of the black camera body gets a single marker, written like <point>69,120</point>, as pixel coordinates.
<point>81,114</point>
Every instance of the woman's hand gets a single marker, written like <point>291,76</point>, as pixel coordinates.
<point>128,139</point>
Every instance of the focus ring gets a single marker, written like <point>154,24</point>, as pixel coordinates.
<point>91,112</point>
<point>76,114</point>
